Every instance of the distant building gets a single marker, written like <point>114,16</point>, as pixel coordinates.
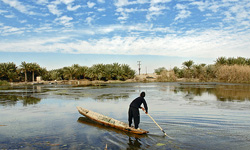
<point>38,79</point>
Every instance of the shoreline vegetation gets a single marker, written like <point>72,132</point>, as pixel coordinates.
<point>225,70</point>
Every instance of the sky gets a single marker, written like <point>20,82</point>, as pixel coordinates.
<point>159,33</point>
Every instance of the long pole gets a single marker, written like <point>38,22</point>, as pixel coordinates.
<point>158,125</point>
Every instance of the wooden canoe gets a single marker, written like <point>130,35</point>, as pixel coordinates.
<point>110,122</point>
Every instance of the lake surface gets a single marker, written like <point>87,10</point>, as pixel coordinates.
<point>207,117</point>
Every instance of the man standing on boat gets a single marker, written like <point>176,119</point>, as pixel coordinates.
<point>133,111</point>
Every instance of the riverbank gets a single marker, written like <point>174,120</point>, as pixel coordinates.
<point>138,78</point>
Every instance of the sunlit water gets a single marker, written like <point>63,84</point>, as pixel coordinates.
<point>197,117</point>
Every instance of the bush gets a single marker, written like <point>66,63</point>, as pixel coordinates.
<point>234,74</point>
<point>167,76</point>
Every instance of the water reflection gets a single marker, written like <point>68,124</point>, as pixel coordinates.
<point>191,114</point>
<point>112,96</point>
<point>222,92</point>
<point>11,100</point>
<point>134,141</point>
<point>134,144</point>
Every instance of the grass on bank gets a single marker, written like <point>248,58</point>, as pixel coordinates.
<point>234,74</point>
<point>214,73</point>
<point>4,83</point>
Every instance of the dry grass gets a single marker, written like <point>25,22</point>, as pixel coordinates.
<point>167,76</point>
<point>234,74</point>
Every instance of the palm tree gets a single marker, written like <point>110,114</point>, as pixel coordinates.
<point>91,73</point>
<point>116,71</point>
<point>8,71</point>
<point>24,68</point>
<point>34,67</point>
<point>221,61</point>
<point>127,72</point>
<point>109,71</point>
<point>188,64</point>
<point>69,72</point>
<point>241,61</point>
<point>82,71</point>
<point>159,70</point>
<point>99,70</point>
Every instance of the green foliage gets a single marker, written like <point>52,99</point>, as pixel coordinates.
<point>28,71</point>
<point>8,71</point>
<point>160,70</point>
<point>232,61</point>
<point>188,64</point>
<point>225,69</point>
<point>113,71</point>
<point>103,72</point>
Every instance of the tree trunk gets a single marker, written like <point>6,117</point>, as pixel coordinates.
<point>25,74</point>
<point>33,76</point>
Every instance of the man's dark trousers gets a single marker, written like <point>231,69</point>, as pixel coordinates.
<point>134,113</point>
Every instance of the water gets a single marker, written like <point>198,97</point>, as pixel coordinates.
<point>197,117</point>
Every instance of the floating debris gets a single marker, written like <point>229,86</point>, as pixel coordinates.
<point>160,144</point>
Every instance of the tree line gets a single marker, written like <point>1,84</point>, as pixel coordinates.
<point>27,72</point>
<point>223,70</point>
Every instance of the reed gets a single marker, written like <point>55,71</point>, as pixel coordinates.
<point>234,73</point>
<point>167,76</point>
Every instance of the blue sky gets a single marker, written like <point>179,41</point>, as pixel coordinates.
<point>159,33</point>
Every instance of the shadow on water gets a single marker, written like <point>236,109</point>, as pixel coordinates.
<point>11,100</point>
<point>237,93</point>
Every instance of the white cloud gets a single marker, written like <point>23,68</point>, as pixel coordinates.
<point>9,16</point>
<point>41,2</point>
<point>73,8</point>
<point>183,13</point>
<point>124,12</point>
<point>101,1</point>
<point>201,5</point>
<point>65,20</point>
<point>214,6</point>
<point>101,9</point>
<point>66,2</point>
<point>121,3</point>
<point>9,30</point>
<point>154,11</point>
<point>90,4</point>
<point>159,1</point>
<point>89,20</point>
<point>3,11</point>
<point>53,9</point>
<point>23,21</point>
<point>208,43</point>
<point>19,6</point>
<point>44,28</point>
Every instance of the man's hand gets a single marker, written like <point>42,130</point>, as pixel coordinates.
<point>144,110</point>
